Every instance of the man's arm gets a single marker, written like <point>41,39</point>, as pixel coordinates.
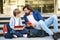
<point>26,21</point>
<point>39,16</point>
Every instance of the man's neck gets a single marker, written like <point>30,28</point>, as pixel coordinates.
<point>30,13</point>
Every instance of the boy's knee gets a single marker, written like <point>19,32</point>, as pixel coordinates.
<point>8,35</point>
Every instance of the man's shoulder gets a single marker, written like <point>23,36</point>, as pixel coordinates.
<point>36,12</point>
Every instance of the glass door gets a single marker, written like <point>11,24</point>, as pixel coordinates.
<point>44,6</point>
<point>1,6</point>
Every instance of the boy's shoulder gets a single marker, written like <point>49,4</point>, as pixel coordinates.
<point>12,17</point>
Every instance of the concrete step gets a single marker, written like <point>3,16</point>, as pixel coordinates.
<point>22,20</point>
<point>1,31</point>
<point>2,25</point>
<point>6,20</point>
<point>36,38</point>
<point>44,15</point>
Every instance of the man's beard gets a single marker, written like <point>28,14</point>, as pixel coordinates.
<point>27,13</point>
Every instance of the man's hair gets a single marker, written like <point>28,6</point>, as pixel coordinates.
<point>14,12</point>
<point>28,7</point>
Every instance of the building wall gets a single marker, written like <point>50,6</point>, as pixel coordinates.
<point>58,3</point>
<point>10,5</point>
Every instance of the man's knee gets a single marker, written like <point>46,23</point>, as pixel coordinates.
<point>41,21</point>
<point>54,16</point>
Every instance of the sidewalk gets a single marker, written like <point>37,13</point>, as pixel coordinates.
<point>23,38</point>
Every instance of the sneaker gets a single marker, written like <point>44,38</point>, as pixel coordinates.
<point>54,37</point>
<point>25,35</point>
<point>14,36</point>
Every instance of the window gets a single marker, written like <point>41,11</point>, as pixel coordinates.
<point>12,2</point>
<point>1,6</point>
<point>48,6</point>
<point>44,6</point>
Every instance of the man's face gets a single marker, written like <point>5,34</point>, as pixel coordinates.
<point>27,12</point>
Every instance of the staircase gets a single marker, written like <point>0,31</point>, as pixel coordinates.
<point>5,20</point>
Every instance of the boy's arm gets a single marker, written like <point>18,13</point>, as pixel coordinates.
<point>11,23</point>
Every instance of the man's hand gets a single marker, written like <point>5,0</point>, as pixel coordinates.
<point>33,24</point>
<point>29,24</point>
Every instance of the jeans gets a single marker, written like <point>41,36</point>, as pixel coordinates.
<point>46,24</point>
<point>11,32</point>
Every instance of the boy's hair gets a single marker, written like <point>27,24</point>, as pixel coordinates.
<point>14,12</point>
<point>28,7</point>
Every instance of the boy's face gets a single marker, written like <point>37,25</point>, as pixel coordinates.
<point>27,12</point>
<point>17,13</point>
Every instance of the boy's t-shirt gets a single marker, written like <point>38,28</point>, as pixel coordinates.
<point>15,22</point>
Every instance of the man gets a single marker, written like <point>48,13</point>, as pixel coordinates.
<point>38,22</point>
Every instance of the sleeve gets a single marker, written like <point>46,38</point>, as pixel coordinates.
<point>25,19</point>
<point>39,16</point>
<point>11,23</point>
<point>21,21</point>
